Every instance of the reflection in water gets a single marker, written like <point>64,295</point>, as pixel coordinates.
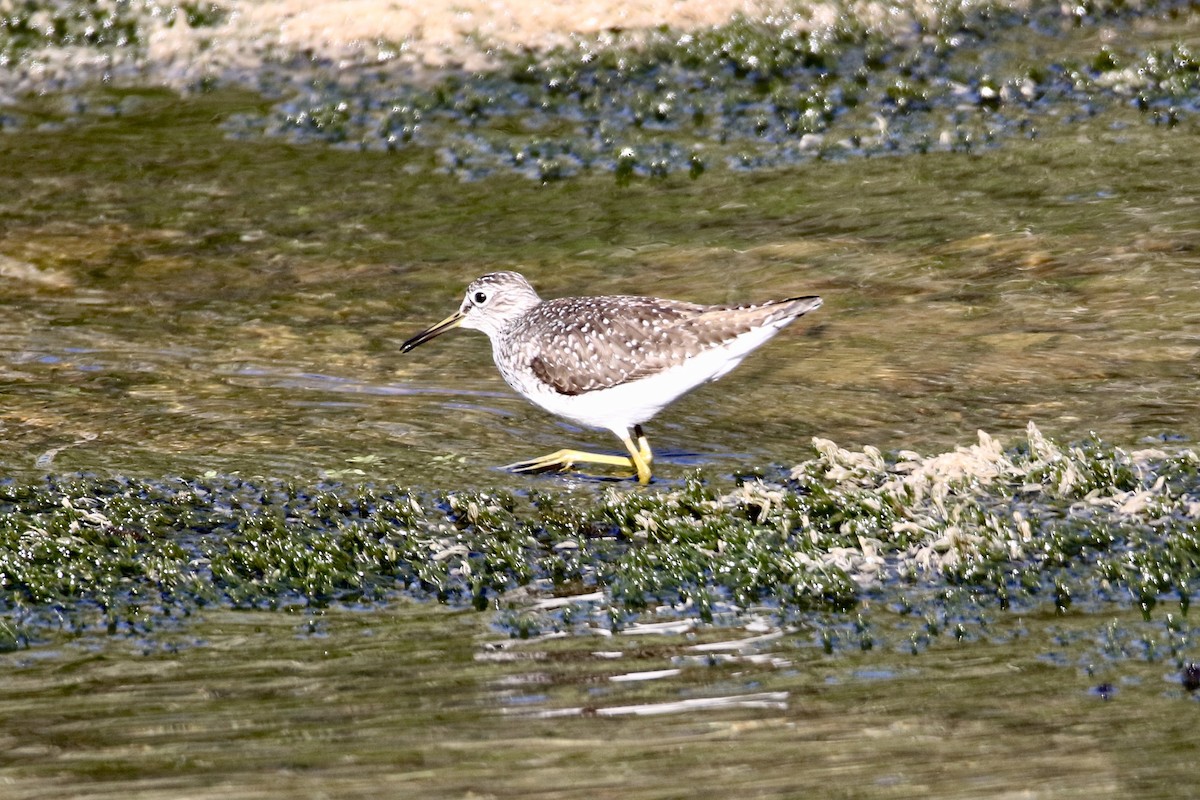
<point>423,702</point>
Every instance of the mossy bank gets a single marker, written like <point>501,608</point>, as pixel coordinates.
<point>945,540</point>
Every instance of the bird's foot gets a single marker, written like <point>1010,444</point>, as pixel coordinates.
<point>563,460</point>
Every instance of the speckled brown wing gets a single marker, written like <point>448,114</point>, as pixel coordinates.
<point>716,325</point>
<point>581,345</point>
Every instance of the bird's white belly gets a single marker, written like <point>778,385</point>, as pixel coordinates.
<point>621,407</point>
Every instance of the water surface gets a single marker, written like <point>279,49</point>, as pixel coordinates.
<point>418,701</point>
<point>203,304</point>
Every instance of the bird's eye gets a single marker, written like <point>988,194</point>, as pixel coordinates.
<point>480,298</point>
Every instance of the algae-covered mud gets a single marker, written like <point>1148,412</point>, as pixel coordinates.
<point>939,539</point>
<point>1090,526</point>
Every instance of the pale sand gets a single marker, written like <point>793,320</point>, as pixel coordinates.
<point>464,33</point>
<point>415,36</point>
<point>462,30</point>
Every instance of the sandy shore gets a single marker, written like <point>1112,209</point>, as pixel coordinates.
<point>452,30</point>
<point>421,35</point>
<point>463,31</point>
<point>410,35</point>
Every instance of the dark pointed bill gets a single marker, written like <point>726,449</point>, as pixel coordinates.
<point>449,323</point>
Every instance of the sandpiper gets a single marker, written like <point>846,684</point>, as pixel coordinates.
<point>609,362</point>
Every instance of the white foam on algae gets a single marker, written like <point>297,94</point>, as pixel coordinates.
<point>957,503</point>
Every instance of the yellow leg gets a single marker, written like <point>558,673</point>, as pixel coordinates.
<point>562,460</point>
<point>640,455</point>
<point>639,459</point>
<point>643,445</point>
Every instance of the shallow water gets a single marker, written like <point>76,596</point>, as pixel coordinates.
<point>202,304</point>
<point>418,701</point>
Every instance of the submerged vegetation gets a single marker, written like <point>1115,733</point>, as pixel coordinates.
<point>1039,524</point>
<point>757,94</point>
<point>819,82</point>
